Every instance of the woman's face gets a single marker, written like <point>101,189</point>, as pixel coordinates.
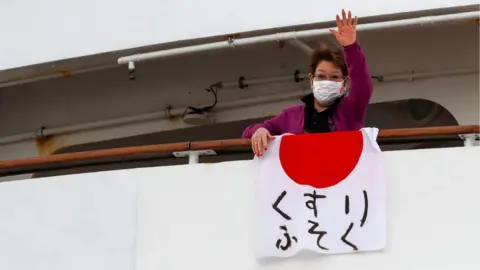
<point>328,71</point>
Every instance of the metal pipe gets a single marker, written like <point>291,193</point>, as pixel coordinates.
<point>413,75</point>
<point>52,75</point>
<point>292,36</point>
<point>295,35</point>
<point>261,81</point>
<point>290,95</point>
<point>301,45</point>
<point>142,118</point>
<point>385,78</point>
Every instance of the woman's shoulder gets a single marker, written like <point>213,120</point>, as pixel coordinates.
<point>291,119</point>
<point>295,109</point>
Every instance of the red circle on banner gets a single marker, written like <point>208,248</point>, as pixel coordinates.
<point>320,160</point>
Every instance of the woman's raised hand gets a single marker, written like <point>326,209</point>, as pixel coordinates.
<point>260,140</point>
<point>346,32</point>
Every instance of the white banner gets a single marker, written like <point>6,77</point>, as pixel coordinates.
<point>321,192</point>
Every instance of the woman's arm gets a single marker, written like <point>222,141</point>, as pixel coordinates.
<point>272,125</point>
<point>361,87</point>
<point>354,105</point>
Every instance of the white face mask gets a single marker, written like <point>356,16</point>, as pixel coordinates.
<point>326,92</point>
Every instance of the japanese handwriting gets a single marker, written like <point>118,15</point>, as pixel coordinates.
<point>347,205</point>
<point>319,233</point>
<point>344,237</point>
<point>288,239</point>
<point>312,203</point>
<point>277,202</point>
<point>286,235</point>
<point>365,208</point>
<point>362,221</point>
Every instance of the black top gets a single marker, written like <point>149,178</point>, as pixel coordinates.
<point>315,122</point>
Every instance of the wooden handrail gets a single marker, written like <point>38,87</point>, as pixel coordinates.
<point>29,165</point>
<point>428,131</point>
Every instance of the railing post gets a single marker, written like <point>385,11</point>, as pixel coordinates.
<point>193,156</point>
<point>470,139</point>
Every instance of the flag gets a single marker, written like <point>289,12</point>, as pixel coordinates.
<point>320,192</point>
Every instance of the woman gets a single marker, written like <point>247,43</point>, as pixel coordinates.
<point>328,108</point>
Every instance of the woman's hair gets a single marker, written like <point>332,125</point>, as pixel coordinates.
<point>328,52</point>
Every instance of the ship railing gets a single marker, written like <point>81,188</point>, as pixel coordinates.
<point>192,150</point>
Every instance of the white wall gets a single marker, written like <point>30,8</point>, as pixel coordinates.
<point>184,217</point>
<point>53,30</point>
<point>82,222</point>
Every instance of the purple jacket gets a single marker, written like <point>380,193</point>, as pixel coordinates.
<point>349,113</point>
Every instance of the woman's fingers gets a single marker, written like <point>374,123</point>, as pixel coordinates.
<point>339,23</point>
<point>257,144</point>
<point>260,142</point>
<point>264,142</point>
<point>334,32</point>
<point>254,146</point>
<point>259,148</point>
<point>344,18</point>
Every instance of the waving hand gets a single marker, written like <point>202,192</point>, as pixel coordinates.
<point>346,32</point>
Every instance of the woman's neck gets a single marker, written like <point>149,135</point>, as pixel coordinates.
<point>319,108</point>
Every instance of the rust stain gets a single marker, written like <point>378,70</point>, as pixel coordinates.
<point>232,36</point>
<point>63,73</point>
<point>48,145</point>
